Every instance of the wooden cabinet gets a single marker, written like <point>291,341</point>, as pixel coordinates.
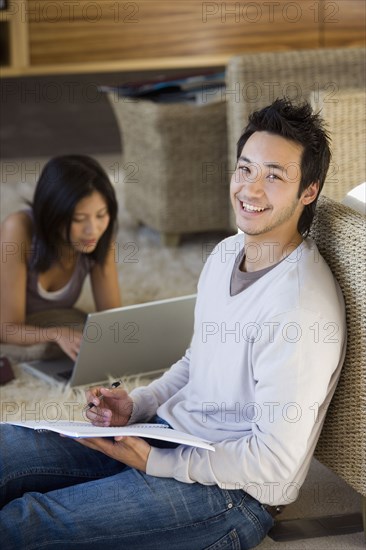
<point>14,38</point>
<point>75,36</point>
<point>343,23</point>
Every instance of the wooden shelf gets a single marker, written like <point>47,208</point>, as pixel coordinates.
<point>5,15</point>
<point>121,66</point>
<point>47,38</point>
<point>16,30</point>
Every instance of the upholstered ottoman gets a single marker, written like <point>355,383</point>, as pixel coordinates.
<point>175,163</point>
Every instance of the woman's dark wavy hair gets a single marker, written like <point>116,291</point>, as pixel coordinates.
<point>297,123</point>
<point>63,182</point>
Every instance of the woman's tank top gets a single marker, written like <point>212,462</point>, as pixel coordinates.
<point>38,299</point>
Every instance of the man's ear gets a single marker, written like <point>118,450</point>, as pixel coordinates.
<point>310,193</point>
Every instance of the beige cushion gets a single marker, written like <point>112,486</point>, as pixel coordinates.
<point>340,234</point>
<point>344,113</point>
<point>255,80</point>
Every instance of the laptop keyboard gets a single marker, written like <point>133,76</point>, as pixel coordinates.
<point>66,374</point>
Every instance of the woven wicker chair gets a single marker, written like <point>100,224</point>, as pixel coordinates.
<point>175,156</point>
<point>340,234</point>
<point>345,118</point>
<point>255,80</point>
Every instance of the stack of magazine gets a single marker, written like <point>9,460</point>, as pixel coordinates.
<point>193,88</point>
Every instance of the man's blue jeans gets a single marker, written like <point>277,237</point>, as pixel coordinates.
<point>58,494</point>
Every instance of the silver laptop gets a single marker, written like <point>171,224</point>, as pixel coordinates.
<point>128,340</point>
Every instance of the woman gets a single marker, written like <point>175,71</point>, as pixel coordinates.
<point>66,233</point>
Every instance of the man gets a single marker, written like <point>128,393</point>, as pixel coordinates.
<point>268,345</point>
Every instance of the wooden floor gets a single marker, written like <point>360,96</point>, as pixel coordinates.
<point>49,116</point>
<point>55,115</point>
<point>62,114</point>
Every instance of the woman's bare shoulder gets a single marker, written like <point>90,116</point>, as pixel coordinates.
<point>17,227</point>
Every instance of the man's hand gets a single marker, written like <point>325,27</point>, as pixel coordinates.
<point>132,451</point>
<point>112,407</point>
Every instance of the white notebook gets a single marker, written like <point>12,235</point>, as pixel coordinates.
<point>86,429</point>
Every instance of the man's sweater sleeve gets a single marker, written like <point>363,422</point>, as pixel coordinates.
<point>292,382</point>
<point>147,399</point>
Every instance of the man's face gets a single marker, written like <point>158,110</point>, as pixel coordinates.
<point>264,187</point>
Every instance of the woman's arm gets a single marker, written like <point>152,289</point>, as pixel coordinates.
<point>16,241</point>
<point>104,281</point>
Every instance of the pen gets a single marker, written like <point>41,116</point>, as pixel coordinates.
<point>91,405</point>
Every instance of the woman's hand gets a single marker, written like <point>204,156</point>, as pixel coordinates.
<point>112,407</point>
<point>132,451</point>
<point>69,341</point>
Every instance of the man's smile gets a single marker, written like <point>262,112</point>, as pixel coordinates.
<point>251,208</point>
